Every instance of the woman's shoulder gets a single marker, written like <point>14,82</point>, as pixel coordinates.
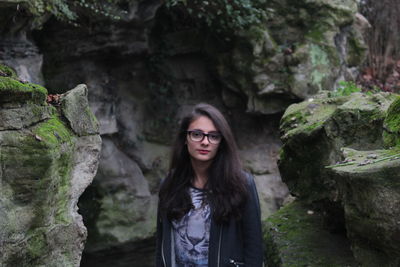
<point>249,178</point>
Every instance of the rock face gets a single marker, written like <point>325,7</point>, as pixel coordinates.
<point>370,193</point>
<point>314,132</point>
<point>305,46</point>
<point>341,156</point>
<point>45,167</point>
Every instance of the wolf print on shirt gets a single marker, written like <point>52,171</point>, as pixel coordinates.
<point>192,231</point>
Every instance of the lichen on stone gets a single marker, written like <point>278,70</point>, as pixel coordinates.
<point>391,125</point>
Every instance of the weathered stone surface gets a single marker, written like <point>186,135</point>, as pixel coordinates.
<point>314,131</point>
<point>21,116</point>
<point>75,107</point>
<point>45,168</point>
<point>16,91</point>
<point>121,195</point>
<point>271,192</point>
<point>391,125</point>
<point>333,156</point>
<point>22,104</point>
<point>306,46</point>
<point>295,236</point>
<point>369,188</point>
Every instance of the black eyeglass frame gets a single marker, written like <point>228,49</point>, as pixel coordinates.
<point>204,135</point>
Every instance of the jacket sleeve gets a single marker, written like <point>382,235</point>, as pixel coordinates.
<point>252,233</point>
<point>159,234</point>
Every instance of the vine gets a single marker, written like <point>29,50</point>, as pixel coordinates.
<point>69,10</point>
<point>222,16</point>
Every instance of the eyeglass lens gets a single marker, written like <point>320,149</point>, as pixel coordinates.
<point>198,136</point>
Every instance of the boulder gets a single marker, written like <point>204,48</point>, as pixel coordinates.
<point>334,157</point>
<point>75,107</point>
<point>369,189</point>
<point>314,131</point>
<point>45,169</point>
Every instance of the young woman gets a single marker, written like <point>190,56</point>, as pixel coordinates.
<point>208,212</point>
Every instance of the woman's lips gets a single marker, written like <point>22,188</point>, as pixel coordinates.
<point>201,151</point>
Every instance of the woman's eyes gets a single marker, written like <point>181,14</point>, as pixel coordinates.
<point>197,134</point>
<point>215,136</point>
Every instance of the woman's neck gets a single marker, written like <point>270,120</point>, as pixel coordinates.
<point>200,169</point>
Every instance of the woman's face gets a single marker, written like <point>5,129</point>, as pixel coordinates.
<point>202,150</point>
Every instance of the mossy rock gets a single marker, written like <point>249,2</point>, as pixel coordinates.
<point>40,179</point>
<point>369,189</point>
<point>314,131</point>
<point>75,108</point>
<point>391,125</point>
<point>15,90</point>
<point>36,166</point>
<point>295,237</point>
<point>6,71</point>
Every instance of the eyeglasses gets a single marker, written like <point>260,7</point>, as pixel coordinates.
<point>198,136</point>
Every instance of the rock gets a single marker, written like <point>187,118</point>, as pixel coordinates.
<point>117,203</point>
<point>370,194</point>
<point>294,236</point>
<point>271,192</point>
<point>314,132</point>
<point>391,125</point>
<point>334,158</point>
<point>45,169</point>
<point>261,159</point>
<point>14,91</point>
<point>306,47</point>
<point>75,108</point>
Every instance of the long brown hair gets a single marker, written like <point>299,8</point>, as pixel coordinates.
<point>226,185</point>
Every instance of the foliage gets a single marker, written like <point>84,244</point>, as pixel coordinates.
<point>69,10</point>
<point>345,89</point>
<point>222,16</point>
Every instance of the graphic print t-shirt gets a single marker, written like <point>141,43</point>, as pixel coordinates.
<point>192,232</point>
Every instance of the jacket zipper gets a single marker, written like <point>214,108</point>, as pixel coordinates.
<point>219,247</point>
<point>236,263</point>
<point>162,252</point>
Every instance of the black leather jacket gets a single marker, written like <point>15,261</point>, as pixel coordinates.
<point>238,243</point>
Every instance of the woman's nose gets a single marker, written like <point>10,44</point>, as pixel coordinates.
<point>205,141</point>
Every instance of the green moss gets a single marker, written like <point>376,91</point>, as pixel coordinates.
<point>45,156</point>
<point>36,243</point>
<point>62,200</point>
<point>305,117</point>
<point>391,134</point>
<point>9,72</point>
<point>56,136</point>
<point>14,90</point>
<point>53,132</point>
<point>296,237</point>
<point>316,34</point>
